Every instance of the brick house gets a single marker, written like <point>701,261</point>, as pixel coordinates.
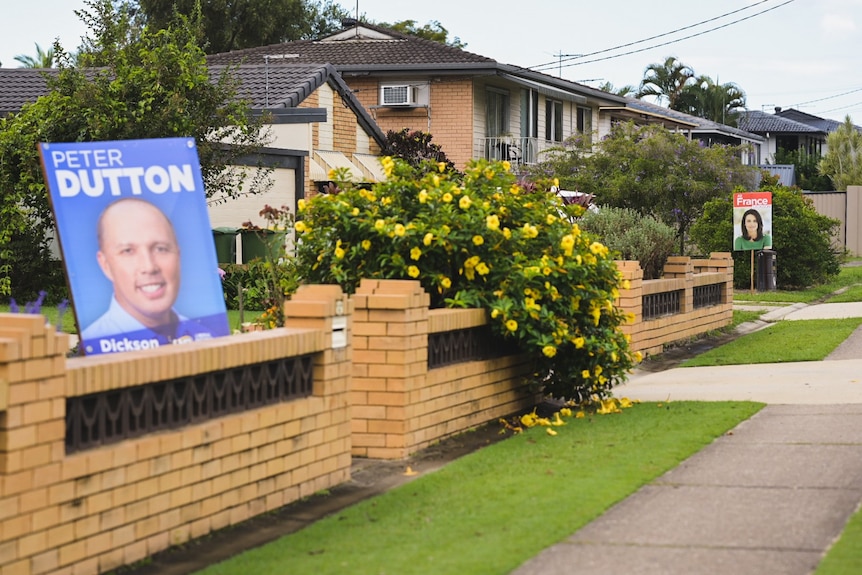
<point>474,106</point>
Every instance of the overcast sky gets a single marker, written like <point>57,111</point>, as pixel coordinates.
<point>790,53</point>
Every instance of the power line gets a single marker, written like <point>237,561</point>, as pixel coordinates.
<point>542,67</point>
<point>830,97</point>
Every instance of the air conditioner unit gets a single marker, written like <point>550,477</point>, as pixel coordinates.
<point>397,95</point>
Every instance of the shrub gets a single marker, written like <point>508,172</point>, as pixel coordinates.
<point>480,240</point>
<point>633,236</point>
<point>802,239</point>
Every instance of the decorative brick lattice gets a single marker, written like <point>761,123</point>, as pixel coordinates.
<point>450,347</point>
<point>661,304</point>
<point>707,295</point>
<point>112,416</point>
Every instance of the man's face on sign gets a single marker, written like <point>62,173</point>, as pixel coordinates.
<point>138,252</point>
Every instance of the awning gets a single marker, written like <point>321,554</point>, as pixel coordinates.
<point>547,90</point>
<point>370,165</point>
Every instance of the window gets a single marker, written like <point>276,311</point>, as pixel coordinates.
<point>553,120</point>
<point>496,113</point>
<point>529,113</point>
<point>585,124</point>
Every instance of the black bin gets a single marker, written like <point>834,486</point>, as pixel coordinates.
<point>766,274</point>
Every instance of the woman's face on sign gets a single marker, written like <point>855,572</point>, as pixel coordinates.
<point>751,226</point>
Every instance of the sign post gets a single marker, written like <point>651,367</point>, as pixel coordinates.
<point>752,224</point>
<point>136,241</point>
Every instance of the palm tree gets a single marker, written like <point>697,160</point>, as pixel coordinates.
<point>665,81</point>
<point>843,159</point>
<point>627,90</point>
<point>704,98</point>
<point>43,59</point>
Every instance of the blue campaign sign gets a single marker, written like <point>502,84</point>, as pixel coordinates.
<point>136,241</point>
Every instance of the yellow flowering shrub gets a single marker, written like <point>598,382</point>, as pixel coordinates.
<point>481,239</point>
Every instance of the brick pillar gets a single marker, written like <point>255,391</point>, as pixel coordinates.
<point>32,435</point>
<point>723,262</point>
<point>631,300</point>
<point>390,365</point>
<point>327,308</point>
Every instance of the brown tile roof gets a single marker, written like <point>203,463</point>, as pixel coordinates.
<point>19,86</point>
<point>398,51</point>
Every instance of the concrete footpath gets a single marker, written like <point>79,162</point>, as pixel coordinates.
<point>769,497</point>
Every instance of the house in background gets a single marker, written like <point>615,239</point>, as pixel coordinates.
<point>473,106</point>
<point>314,122</point>
<point>706,131</point>
<point>783,133</point>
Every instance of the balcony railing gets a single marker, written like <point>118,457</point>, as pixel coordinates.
<point>518,151</point>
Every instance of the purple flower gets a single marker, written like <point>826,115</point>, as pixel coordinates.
<point>13,305</point>
<point>221,274</point>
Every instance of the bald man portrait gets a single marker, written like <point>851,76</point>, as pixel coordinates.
<point>139,254</point>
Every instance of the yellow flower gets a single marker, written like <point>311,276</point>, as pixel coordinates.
<point>400,230</point>
<point>507,233</point>
<point>300,204</point>
<point>478,240</point>
<point>366,244</point>
<point>511,325</point>
<point>482,269</point>
<point>608,406</point>
<point>413,271</point>
<point>550,219</point>
<point>625,402</point>
<point>530,231</point>
<point>549,350</point>
<point>566,412</point>
<point>598,249</point>
<point>493,222</point>
<point>429,237</point>
<point>423,196</point>
<point>379,224</point>
<point>464,202</point>
<point>355,211</point>
<point>585,374</point>
<point>447,197</point>
<point>441,166</point>
<point>580,415</point>
<point>339,252</point>
<point>415,253</point>
<point>506,165</point>
<point>471,262</point>
<point>300,227</point>
<point>495,313</point>
<point>550,431</point>
<point>547,271</point>
<point>639,356</point>
<point>446,282</point>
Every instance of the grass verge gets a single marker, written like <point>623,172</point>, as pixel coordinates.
<point>849,276</point>
<point>845,555</point>
<point>804,340</point>
<point>488,512</point>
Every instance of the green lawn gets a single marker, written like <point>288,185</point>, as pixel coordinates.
<point>488,512</point>
<point>849,276</point>
<point>803,340</point>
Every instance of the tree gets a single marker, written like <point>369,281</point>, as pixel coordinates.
<point>806,166</point>
<point>415,148</point>
<point>653,171</point>
<point>433,31</point>
<point>627,90</point>
<point>155,86</point>
<point>843,160</point>
<point>237,24</point>
<point>720,103</point>
<point>802,238</point>
<point>43,59</point>
<point>666,81</point>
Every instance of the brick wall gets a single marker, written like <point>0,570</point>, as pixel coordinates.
<point>401,406</point>
<point>95,510</point>
<point>681,274</point>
